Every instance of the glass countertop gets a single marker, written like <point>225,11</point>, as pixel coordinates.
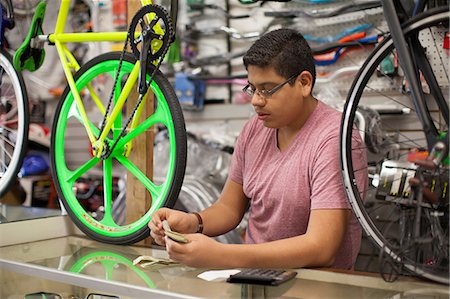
<point>10,213</point>
<point>109,268</point>
<point>21,286</point>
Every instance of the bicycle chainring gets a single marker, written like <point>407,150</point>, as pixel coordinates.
<point>153,20</point>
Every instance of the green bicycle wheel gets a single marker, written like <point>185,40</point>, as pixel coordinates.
<point>94,191</point>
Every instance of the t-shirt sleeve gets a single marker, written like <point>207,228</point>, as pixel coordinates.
<point>327,190</point>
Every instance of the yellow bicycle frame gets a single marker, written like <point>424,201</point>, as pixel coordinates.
<point>69,64</point>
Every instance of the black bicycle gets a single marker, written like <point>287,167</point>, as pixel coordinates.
<point>405,208</point>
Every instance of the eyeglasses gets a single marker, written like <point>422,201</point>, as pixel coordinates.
<point>266,93</point>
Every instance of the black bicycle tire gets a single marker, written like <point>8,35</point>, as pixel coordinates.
<point>181,141</point>
<point>7,183</point>
<point>425,20</point>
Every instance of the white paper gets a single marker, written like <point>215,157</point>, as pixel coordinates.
<point>217,274</point>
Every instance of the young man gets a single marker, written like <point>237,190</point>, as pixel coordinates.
<point>285,168</point>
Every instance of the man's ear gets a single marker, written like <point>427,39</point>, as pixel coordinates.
<point>306,80</point>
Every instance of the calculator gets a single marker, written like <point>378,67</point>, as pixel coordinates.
<point>272,277</point>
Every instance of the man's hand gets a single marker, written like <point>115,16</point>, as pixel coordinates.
<point>179,222</point>
<point>201,251</point>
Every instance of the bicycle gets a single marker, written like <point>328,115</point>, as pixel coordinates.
<point>100,112</point>
<point>14,116</point>
<point>405,209</point>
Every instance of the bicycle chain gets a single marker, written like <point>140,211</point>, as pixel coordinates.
<point>157,58</point>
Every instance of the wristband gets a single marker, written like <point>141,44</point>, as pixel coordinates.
<point>200,222</point>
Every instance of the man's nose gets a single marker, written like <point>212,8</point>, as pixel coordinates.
<point>258,100</point>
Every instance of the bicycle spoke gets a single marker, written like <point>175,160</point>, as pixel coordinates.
<point>72,176</point>
<point>8,141</point>
<point>3,167</point>
<point>154,190</point>
<point>376,92</point>
<point>107,193</point>
<point>414,142</point>
<point>157,117</point>
<point>109,267</point>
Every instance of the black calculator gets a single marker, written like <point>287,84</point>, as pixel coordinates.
<point>272,277</point>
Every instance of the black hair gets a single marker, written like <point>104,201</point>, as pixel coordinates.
<point>286,50</point>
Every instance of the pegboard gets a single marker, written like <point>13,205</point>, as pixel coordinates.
<point>323,27</point>
<point>437,55</point>
<point>344,70</point>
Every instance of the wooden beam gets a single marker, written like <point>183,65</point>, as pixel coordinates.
<point>138,199</point>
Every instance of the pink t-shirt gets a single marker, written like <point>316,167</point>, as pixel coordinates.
<point>283,187</point>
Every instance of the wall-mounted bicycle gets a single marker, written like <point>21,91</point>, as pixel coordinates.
<point>111,106</point>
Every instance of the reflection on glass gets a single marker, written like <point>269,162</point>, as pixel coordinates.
<point>42,295</point>
<point>109,261</point>
<point>45,295</point>
<point>100,296</point>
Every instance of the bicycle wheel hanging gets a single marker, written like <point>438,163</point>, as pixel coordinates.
<point>414,235</point>
<point>74,166</point>
<point>14,122</point>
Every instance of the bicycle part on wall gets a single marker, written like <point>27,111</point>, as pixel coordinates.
<point>320,31</point>
<point>25,7</point>
<point>405,208</point>
<point>70,137</point>
<point>30,55</point>
<point>345,8</point>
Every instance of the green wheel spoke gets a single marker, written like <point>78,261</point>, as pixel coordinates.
<point>72,176</point>
<point>113,261</point>
<point>107,193</point>
<point>157,117</point>
<point>109,267</point>
<point>154,190</point>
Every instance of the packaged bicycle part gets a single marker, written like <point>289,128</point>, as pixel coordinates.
<point>397,179</point>
<point>394,179</point>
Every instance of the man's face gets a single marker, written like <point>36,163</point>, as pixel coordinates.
<point>281,108</point>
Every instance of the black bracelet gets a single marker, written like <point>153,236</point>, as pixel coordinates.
<point>200,222</point>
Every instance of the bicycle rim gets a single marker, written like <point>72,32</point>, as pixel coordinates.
<point>13,122</point>
<point>94,190</point>
<point>385,216</point>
